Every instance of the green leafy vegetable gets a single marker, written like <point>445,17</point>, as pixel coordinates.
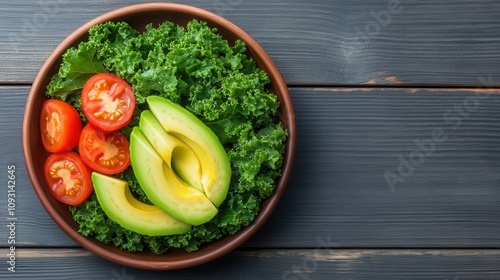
<point>79,64</point>
<point>217,82</point>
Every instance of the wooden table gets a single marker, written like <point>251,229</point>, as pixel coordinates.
<point>397,170</point>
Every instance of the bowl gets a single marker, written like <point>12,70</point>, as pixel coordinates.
<point>138,16</point>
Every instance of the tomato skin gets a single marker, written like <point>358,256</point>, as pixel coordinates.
<point>60,126</point>
<point>108,101</point>
<point>68,178</point>
<point>105,152</point>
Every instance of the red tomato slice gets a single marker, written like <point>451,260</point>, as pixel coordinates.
<point>68,178</point>
<point>60,126</point>
<point>108,101</point>
<point>105,152</point>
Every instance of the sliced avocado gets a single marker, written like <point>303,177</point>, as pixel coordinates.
<point>176,154</point>
<point>214,162</point>
<point>163,187</point>
<point>117,201</point>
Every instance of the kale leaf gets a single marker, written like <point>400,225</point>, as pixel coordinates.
<point>215,80</point>
<point>79,64</point>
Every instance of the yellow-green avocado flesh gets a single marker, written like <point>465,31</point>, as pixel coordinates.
<point>175,153</point>
<point>215,173</point>
<point>117,201</point>
<point>163,187</point>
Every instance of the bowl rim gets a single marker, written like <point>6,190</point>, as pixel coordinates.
<point>267,207</point>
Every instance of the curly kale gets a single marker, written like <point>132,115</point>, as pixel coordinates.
<point>216,81</point>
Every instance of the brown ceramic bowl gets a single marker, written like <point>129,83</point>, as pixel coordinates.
<point>138,16</point>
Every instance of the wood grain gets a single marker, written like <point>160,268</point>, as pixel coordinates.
<point>319,42</point>
<point>348,139</point>
<point>396,173</point>
<point>272,264</point>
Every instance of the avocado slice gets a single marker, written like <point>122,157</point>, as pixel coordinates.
<point>214,162</point>
<point>117,201</point>
<point>163,187</point>
<point>176,154</point>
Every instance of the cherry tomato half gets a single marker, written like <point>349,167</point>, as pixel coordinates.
<point>60,126</point>
<point>105,152</point>
<point>68,178</point>
<point>108,101</point>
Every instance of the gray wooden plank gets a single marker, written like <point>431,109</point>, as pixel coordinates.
<point>348,139</point>
<point>340,42</point>
<point>33,225</point>
<point>270,264</point>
